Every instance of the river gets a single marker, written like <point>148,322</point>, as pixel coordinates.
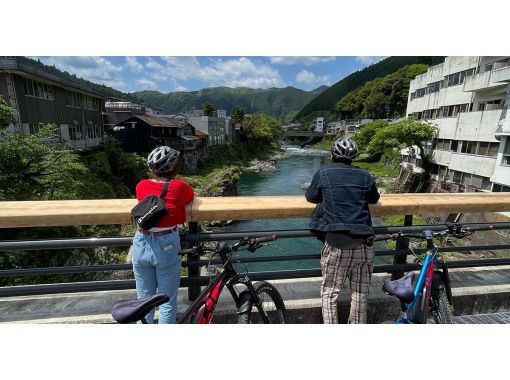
<point>296,168</point>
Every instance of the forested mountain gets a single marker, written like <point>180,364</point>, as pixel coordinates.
<point>380,98</point>
<point>281,103</point>
<point>325,102</point>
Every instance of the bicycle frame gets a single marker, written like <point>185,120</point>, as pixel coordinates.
<point>202,309</point>
<point>417,311</point>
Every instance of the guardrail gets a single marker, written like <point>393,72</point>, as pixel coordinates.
<point>24,214</point>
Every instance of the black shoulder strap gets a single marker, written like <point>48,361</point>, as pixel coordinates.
<point>165,189</point>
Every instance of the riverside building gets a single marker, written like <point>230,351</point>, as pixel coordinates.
<point>467,99</point>
<point>41,94</point>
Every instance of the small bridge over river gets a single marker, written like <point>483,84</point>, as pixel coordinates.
<point>303,137</point>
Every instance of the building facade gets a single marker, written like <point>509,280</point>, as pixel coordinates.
<point>466,98</point>
<point>218,127</point>
<point>40,95</point>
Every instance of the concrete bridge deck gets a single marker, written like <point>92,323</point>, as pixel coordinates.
<point>475,290</point>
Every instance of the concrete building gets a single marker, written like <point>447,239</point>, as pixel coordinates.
<point>318,124</point>
<point>41,95</point>
<point>219,128</point>
<point>466,98</point>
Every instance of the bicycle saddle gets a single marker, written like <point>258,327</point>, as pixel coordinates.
<point>401,288</point>
<point>128,311</point>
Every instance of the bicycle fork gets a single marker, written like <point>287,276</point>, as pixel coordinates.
<point>247,299</point>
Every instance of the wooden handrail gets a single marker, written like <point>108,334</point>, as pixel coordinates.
<point>117,211</point>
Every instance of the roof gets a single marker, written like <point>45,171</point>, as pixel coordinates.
<point>200,133</point>
<point>29,68</point>
<point>157,122</point>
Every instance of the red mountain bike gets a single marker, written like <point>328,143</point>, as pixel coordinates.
<point>257,303</point>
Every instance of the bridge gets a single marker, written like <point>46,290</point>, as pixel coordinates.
<point>303,134</point>
<point>299,287</point>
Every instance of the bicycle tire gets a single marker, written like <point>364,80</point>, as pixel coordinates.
<point>271,302</point>
<point>443,313</point>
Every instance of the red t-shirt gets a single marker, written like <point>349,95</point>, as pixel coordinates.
<point>178,194</point>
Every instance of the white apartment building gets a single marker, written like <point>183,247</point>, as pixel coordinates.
<point>466,98</point>
<point>318,124</point>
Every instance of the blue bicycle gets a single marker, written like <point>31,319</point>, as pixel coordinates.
<point>431,294</point>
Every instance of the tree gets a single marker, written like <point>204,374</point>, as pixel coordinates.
<point>261,128</point>
<point>7,113</point>
<point>208,109</point>
<point>237,114</point>
<point>37,166</point>
<point>403,134</point>
<point>366,134</point>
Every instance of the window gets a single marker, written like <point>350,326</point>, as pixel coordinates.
<point>458,78</point>
<point>489,66</point>
<point>454,146</point>
<point>481,106</point>
<point>466,179</point>
<point>38,89</point>
<point>434,87</point>
<point>486,183</point>
<point>500,188</point>
<point>457,176</point>
<point>506,152</point>
<point>493,149</point>
<point>468,147</point>
<point>73,99</point>
<point>483,148</point>
<point>90,103</point>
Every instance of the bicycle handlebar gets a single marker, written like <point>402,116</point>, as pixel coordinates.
<point>455,229</point>
<point>252,243</point>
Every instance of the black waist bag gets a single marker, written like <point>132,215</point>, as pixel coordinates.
<point>150,209</point>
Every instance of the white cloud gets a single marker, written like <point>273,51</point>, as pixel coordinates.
<point>237,72</point>
<point>307,61</point>
<point>311,79</point>
<point>95,69</point>
<point>178,87</point>
<point>133,64</point>
<point>368,60</point>
<point>146,84</point>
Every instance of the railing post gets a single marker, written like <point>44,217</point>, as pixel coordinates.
<point>193,270</point>
<point>402,243</point>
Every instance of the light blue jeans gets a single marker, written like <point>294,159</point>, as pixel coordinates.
<point>156,266</point>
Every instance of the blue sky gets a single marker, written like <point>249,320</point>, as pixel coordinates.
<point>169,74</point>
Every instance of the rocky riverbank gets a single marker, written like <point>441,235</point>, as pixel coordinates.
<point>265,164</point>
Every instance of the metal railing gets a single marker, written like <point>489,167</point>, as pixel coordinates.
<point>194,280</point>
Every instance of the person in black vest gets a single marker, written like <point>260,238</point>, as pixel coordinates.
<point>342,221</point>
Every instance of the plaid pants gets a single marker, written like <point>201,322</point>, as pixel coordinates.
<point>337,265</point>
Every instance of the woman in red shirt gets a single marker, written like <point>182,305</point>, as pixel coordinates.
<point>156,263</point>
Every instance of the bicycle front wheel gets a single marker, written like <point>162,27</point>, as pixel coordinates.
<point>443,313</point>
<point>271,303</point>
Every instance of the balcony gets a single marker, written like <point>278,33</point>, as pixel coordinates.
<point>501,74</point>
<point>488,79</point>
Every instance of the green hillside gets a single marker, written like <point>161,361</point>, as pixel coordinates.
<point>382,97</point>
<point>325,102</point>
<point>278,102</point>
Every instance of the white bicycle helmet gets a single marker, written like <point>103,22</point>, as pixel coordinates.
<point>162,159</point>
<point>344,148</point>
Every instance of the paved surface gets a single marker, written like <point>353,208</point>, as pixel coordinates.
<point>481,319</point>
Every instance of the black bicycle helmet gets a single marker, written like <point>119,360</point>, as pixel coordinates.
<point>162,159</point>
<point>344,148</point>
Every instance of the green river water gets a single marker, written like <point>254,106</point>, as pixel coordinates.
<point>292,171</point>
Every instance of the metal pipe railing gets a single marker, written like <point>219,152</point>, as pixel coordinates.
<point>194,280</point>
